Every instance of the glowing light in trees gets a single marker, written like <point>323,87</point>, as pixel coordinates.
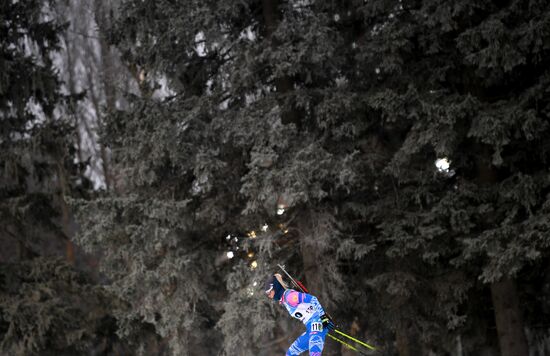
<point>443,164</point>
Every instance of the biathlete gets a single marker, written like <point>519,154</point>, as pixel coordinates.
<point>306,308</point>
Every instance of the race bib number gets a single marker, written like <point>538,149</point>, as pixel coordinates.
<point>304,312</point>
<point>315,326</point>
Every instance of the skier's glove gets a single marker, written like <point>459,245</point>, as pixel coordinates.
<point>328,324</point>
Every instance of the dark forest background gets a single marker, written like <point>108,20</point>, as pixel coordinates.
<point>158,159</point>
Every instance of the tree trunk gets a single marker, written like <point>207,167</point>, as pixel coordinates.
<point>511,334</point>
<point>283,85</point>
<point>108,79</point>
<point>508,318</point>
<point>270,11</point>
<point>459,346</point>
<point>402,340</point>
<point>311,251</point>
<point>310,261</point>
<point>65,215</point>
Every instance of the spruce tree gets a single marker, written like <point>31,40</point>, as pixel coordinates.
<point>335,113</point>
<point>46,306</point>
<point>464,81</point>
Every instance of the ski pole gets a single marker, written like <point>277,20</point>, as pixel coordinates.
<point>303,289</point>
<point>351,347</point>
<point>357,341</point>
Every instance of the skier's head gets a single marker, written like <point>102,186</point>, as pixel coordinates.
<point>275,287</point>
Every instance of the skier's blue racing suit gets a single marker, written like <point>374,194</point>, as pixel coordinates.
<point>308,310</point>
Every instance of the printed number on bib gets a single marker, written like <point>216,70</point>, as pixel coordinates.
<point>317,326</point>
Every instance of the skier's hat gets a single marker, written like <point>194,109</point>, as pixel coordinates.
<point>268,286</point>
<point>275,282</point>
